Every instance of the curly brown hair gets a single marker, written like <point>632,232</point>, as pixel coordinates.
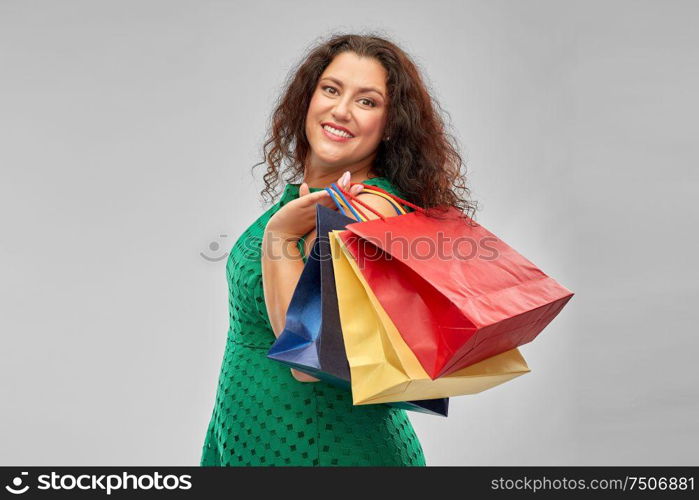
<point>421,159</point>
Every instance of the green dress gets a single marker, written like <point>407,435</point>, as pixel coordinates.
<point>263,416</point>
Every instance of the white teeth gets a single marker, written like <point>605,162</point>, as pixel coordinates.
<point>335,131</point>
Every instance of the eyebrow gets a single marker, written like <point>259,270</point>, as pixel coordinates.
<point>363,89</point>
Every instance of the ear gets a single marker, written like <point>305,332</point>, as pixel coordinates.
<point>378,203</point>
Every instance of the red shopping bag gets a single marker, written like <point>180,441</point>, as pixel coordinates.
<point>456,293</point>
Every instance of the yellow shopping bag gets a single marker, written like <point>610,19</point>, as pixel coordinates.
<point>383,369</point>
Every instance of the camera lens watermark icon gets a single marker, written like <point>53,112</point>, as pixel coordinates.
<point>213,253</point>
<point>16,488</point>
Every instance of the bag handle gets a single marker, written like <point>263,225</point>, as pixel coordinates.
<point>396,206</point>
<point>343,205</point>
<point>347,206</point>
<point>356,201</point>
<point>390,195</point>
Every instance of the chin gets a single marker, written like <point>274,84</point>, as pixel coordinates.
<point>330,158</point>
<point>333,162</point>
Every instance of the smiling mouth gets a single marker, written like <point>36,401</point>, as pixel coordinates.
<point>336,132</point>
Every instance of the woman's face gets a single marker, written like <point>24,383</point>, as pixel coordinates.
<point>350,96</point>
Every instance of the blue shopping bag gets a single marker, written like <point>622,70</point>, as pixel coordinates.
<point>312,337</point>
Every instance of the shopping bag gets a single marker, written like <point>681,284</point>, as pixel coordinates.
<point>312,337</point>
<point>452,307</point>
<point>383,368</point>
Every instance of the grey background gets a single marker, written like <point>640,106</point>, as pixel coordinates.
<point>128,130</point>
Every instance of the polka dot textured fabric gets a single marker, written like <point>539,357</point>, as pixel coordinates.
<point>263,416</point>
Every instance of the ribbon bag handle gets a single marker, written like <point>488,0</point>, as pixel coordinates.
<point>343,205</point>
<point>354,201</point>
<point>396,206</point>
<point>397,199</point>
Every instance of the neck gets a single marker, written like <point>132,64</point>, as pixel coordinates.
<point>321,177</point>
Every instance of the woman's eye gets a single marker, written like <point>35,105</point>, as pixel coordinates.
<point>365,101</point>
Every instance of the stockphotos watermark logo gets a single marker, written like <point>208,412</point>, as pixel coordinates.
<point>17,487</point>
<point>106,483</point>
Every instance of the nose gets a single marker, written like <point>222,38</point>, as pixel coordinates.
<point>341,111</point>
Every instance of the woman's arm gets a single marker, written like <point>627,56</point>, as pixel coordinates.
<point>282,263</point>
<point>281,260</point>
<point>281,268</point>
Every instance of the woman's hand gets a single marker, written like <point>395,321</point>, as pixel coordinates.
<point>302,377</point>
<point>298,217</point>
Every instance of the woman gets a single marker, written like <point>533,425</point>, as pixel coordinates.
<point>356,110</point>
